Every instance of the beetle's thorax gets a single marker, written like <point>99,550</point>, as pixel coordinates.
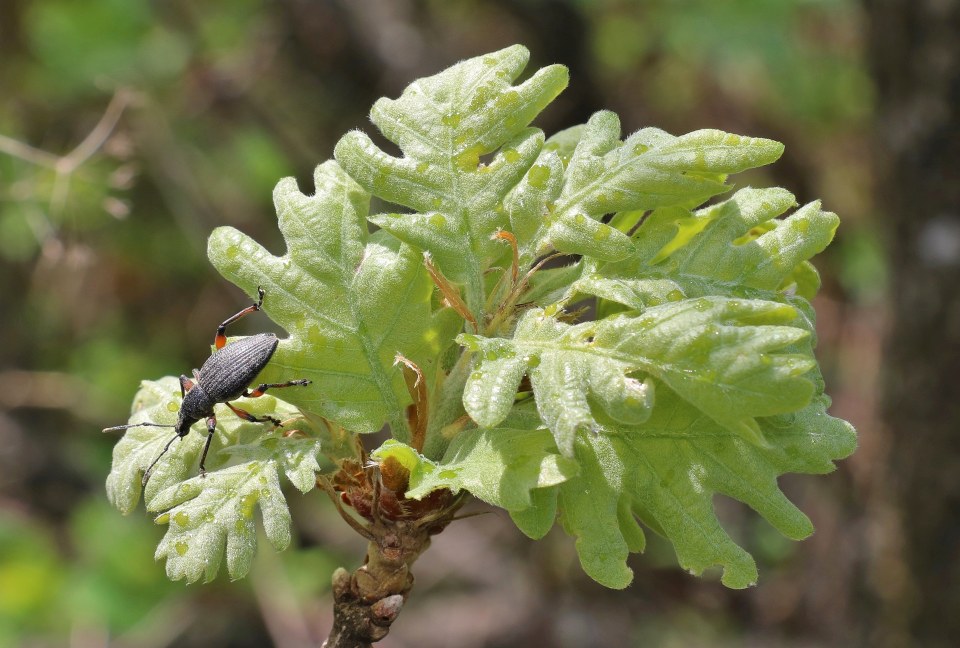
<point>196,405</point>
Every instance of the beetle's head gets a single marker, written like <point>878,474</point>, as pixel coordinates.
<point>184,422</point>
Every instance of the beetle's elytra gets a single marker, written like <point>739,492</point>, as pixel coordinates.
<point>225,375</point>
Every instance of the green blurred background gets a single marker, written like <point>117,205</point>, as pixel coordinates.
<point>190,112</point>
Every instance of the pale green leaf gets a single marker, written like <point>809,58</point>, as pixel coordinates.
<point>670,468</point>
<point>736,248</point>
<point>714,151</point>
<point>158,401</point>
<point>650,169</point>
<point>295,457</point>
<point>500,466</point>
<point>210,516</point>
<point>589,511</point>
<point>537,519</point>
<point>732,359</point>
<point>350,303</point>
<point>444,124</point>
<point>155,402</point>
<point>213,514</point>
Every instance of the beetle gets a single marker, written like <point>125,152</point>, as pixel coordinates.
<point>225,376</point>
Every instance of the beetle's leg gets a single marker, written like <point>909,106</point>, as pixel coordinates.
<point>211,428</point>
<point>247,416</point>
<point>221,339</point>
<point>263,387</point>
<point>185,385</point>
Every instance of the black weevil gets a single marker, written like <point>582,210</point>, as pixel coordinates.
<point>225,375</point>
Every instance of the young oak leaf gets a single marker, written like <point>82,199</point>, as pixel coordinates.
<point>563,196</point>
<point>212,514</point>
<point>536,520</point>
<point>666,472</point>
<point>539,517</point>
<point>501,466</point>
<point>737,248</point>
<point>444,124</point>
<point>594,509</point>
<point>732,359</point>
<point>349,300</point>
<point>157,401</point>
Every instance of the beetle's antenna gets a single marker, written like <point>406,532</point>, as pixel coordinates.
<point>117,428</point>
<point>146,475</point>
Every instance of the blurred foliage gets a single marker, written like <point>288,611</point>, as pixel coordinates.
<point>105,279</point>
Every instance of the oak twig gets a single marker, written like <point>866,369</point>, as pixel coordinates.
<point>367,601</point>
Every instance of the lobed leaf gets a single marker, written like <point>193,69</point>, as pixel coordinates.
<point>536,520</point>
<point>444,124</point>
<point>501,466</point>
<point>158,401</point>
<point>732,359</point>
<point>562,198</point>
<point>210,516</point>
<point>667,471</point>
<point>737,248</point>
<point>350,302</point>
<point>213,515</point>
<point>738,402</point>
